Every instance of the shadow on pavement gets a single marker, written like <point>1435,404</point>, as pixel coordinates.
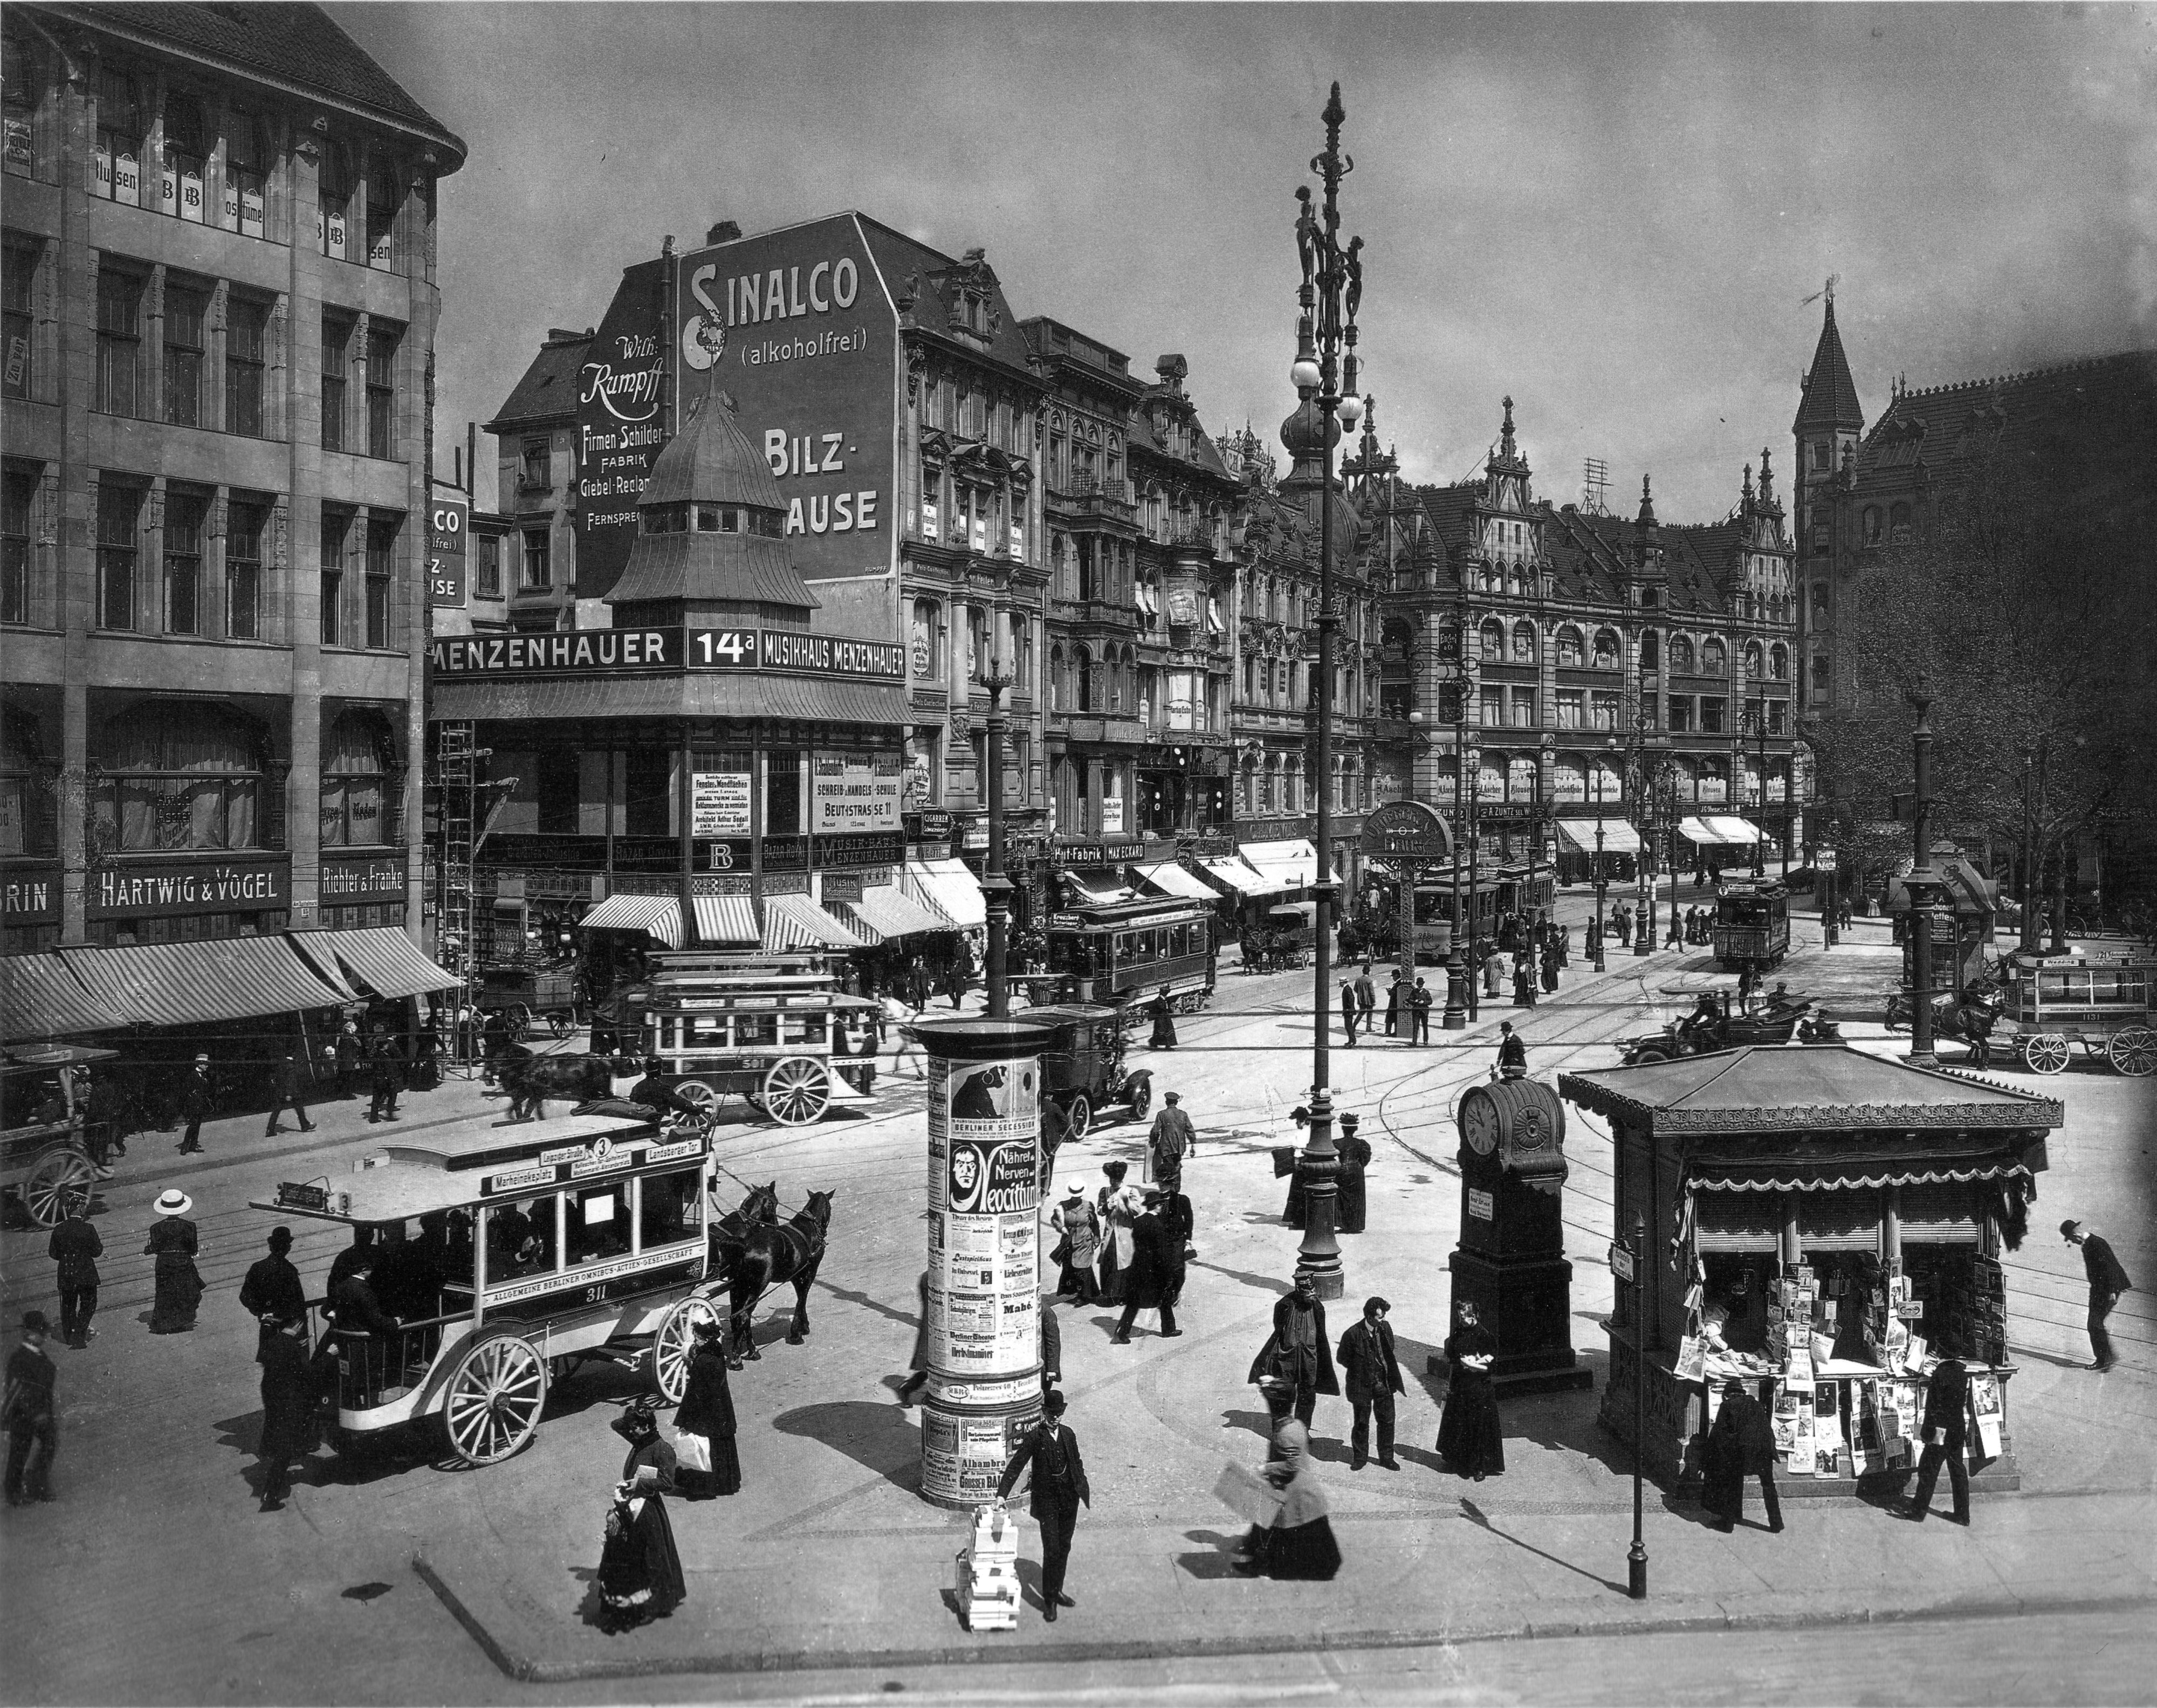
<point>1475,1515</point>
<point>881,1438</point>
<point>1214,1564</point>
<point>1273,1284</point>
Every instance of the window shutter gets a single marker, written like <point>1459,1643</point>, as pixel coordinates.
<point>1940,1215</point>
<point>1737,1222</point>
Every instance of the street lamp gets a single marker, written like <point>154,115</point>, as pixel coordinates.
<point>1325,376</point>
<point>1601,884</point>
<point>996,887</point>
<point>2031,941</point>
<point>1546,803</point>
<point>1636,1556</point>
<point>1922,880</point>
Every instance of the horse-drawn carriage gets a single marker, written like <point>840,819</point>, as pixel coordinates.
<point>1716,1024</point>
<point>43,1162</point>
<point>1083,1070</point>
<point>538,1246</point>
<point>1284,941</point>
<point>2055,1002</point>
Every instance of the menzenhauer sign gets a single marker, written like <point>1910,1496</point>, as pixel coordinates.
<point>668,652</point>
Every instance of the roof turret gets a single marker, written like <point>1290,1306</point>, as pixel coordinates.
<point>1830,395</point>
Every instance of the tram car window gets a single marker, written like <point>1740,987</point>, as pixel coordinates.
<point>671,1207</point>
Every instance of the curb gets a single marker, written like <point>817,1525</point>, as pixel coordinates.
<point>530,1669</point>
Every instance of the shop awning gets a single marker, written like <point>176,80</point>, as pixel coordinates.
<point>887,911</point>
<point>1098,889</point>
<point>724,921</point>
<point>181,984</point>
<point>953,890</point>
<point>380,960</point>
<point>39,998</point>
<point>796,922</point>
<point>1714,831</point>
<point>1853,1174</point>
<point>1619,838</point>
<point>1173,880</point>
<point>1294,863</point>
<point>1245,879</point>
<point>656,916</point>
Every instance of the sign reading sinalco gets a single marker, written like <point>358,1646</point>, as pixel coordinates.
<point>805,338</point>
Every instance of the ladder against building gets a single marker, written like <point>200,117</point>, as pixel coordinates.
<point>456,782</point>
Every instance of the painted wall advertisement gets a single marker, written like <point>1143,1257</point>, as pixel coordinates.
<point>984,1272</point>
<point>854,792</point>
<point>718,803</point>
<point>448,521</point>
<point>620,429</point>
<point>796,326</point>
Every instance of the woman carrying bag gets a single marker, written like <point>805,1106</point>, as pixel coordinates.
<point>708,1462</point>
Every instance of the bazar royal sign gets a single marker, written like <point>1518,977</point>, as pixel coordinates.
<point>588,652</point>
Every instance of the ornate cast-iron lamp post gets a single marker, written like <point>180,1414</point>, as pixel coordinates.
<point>996,887</point>
<point>1325,376</point>
<point>1601,883</point>
<point>1922,880</point>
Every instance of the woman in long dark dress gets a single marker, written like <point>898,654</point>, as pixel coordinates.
<point>1469,1436</point>
<point>1298,1541</point>
<point>640,1576</point>
<point>707,1414</point>
<point>173,1243</point>
<point>1163,1037</point>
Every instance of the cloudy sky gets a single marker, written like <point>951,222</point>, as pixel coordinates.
<point>1613,213</point>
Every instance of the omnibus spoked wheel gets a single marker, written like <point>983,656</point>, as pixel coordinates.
<point>796,1091</point>
<point>2134,1051</point>
<point>59,1179</point>
<point>2047,1052</point>
<point>675,1343</point>
<point>492,1403</point>
<point>697,1092</point>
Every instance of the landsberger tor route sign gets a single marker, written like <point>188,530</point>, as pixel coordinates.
<point>1408,833</point>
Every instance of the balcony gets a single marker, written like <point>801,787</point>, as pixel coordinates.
<point>1095,495</point>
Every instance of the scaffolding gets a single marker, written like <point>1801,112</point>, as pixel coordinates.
<point>457,794</point>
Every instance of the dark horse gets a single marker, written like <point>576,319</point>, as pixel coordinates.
<point>769,1256</point>
<point>728,1235</point>
<point>1969,1016</point>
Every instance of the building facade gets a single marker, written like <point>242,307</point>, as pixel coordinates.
<point>221,309</point>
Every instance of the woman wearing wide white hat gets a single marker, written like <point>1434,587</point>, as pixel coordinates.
<point>173,1243</point>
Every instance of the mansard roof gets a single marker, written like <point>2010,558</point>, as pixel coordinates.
<point>1830,395</point>
<point>935,276</point>
<point>547,392</point>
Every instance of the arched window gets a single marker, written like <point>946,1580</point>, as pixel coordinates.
<point>1081,665</point>
<point>1714,782</point>
<point>1605,786</point>
<point>1871,535</point>
<point>1898,523</point>
<point>1606,648</point>
<point>176,776</point>
<point>1520,771</point>
<point>1568,645</point>
<point>358,753</point>
<point>1490,780</point>
<point>1714,659</point>
<point>1058,686</point>
<point>1778,662</point>
<point>1684,780</point>
<point>1494,638</point>
<point>1681,655</point>
<point>1266,772</point>
<point>1524,643</point>
<point>927,640</point>
<point>1753,657</point>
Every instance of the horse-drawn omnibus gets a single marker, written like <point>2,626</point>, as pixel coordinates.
<point>1123,952</point>
<point>750,1023</point>
<point>44,1162</point>
<point>2057,1001</point>
<point>505,1253</point>
<point>1752,922</point>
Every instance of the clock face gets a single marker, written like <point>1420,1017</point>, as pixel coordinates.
<point>1479,1123</point>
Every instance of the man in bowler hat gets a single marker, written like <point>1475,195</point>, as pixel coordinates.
<point>1059,1487</point>
<point>1373,1375</point>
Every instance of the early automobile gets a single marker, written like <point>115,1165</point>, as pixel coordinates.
<point>1083,1072</point>
<point>1715,1025</point>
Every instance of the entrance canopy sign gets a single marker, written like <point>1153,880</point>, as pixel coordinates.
<point>1408,832</point>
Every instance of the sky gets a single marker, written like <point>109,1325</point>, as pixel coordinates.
<point>1613,214</point>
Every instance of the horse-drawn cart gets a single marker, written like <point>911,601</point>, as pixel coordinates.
<point>43,1161</point>
<point>2058,1001</point>
<point>524,994</point>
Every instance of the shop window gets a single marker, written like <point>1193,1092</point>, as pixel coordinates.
<point>18,272</point>
<point>178,776</point>
<point>20,497</point>
<point>1494,640</point>
<point>1524,643</point>
<point>1680,656</point>
<point>187,307</point>
<point>119,137</point>
<point>184,513</point>
<point>246,173</point>
<point>356,750</point>
<point>336,527</point>
<point>118,523</point>
<point>382,342</point>
<point>337,341</point>
<point>246,327</point>
<point>1606,648</point>
<point>242,569</point>
<point>1714,658</point>
<point>927,640</point>
<point>119,341</point>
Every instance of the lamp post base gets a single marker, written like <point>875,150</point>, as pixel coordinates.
<point>1636,1572</point>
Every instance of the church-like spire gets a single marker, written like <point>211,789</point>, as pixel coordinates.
<point>1829,402</point>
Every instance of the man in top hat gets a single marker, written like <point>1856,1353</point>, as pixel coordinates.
<point>1373,1377</point>
<point>2108,1280</point>
<point>272,1292</point>
<point>194,1105</point>
<point>27,1414</point>
<point>1512,1053</point>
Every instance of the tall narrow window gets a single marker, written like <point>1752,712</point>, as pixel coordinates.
<point>119,509</point>
<point>245,325</point>
<point>119,137</point>
<point>336,338</point>
<point>18,269</point>
<point>184,544</point>
<point>22,73</point>
<point>20,489</point>
<point>186,146</point>
<point>332,200</point>
<point>538,575</point>
<point>381,563</point>
<point>246,172</point>
<point>356,750</point>
<point>119,340</point>
<point>381,215</point>
<point>337,524</point>
<point>490,566</point>
<point>185,307</point>
<point>242,569</point>
<point>382,391</point>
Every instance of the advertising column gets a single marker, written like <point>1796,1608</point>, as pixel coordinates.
<point>983,1286</point>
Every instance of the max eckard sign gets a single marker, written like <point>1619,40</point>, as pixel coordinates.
<point>605,651</point>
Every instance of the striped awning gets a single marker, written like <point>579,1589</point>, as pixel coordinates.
<point>950,889</point>
<point>796,922</point>
<point>722,920</point>
<point>381,960</point>
<point>1619,838</point>
<point>1173,880</point>
<point>887,911</point>
<point>656,916</point>
<point>39,998</point>
<point>181,984</point>
<point>1246,880</point>
<point>1713,830</point>
<point>1292,863</point>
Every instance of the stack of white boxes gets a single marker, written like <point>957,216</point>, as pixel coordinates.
<point>988,1570</point>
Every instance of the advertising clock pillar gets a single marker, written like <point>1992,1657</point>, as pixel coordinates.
<point>983,1303</point>
<point>1510,1260</point>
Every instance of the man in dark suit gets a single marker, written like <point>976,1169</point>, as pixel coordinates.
<point>1297,1352</point>
<point>273,1295</point>
<point>1741,1444</point>
<point>289,1091</point>
<point>1059,1486</point>
<point>2106,1282</point>
<point>1946,1430</point>
<point>1373,1375</point>
<point>194,1105</point>
<point>1156,1270</point>
<point>1512,1053</point>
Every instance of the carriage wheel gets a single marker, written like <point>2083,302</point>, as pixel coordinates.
<point>1141,1099</point>
<point>491,1405</point>
<point>697,1092</point>
<point>1077,1118</point>
<point>796,1091</point>
<point>672,1346</point>
<point>2046,1053</point>
<point>520,1022</point>
<point>2134,1051</point>
<point>560,1023</point>
<point>60,1179</point>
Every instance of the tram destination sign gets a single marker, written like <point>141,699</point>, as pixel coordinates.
<point>666,651</point>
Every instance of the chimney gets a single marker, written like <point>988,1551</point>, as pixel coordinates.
<point>1172,370</point>
<point>726,231</point>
